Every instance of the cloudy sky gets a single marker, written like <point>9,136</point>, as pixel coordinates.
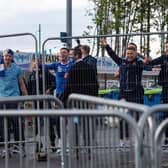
<point>19,16</point>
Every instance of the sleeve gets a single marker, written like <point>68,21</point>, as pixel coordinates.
<point>156,61</point>
<point>147,67</point>
<point>69,85</point>
<point>29,86</point>
<point>50,81</point>
<point>49,66</point>
<point>20,72</point>
<point>113,55</point>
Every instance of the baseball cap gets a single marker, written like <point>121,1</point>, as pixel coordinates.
<point>8,52</point>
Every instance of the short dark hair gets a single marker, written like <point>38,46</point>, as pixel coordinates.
<point>8,52</point>
<point>78,52</point>
<point>72,49</point>
<point>86,48</point>
<point>131,48</point>
<point>132,44</point>
<point>64,48</point>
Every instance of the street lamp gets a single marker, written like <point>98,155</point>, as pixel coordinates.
<point>69,22</point>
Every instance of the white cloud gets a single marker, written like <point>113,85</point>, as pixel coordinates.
<point>13,8</point>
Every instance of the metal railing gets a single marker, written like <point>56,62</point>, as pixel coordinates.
<point>157,130</point>
<point>14,123</point>
<point>80,113</point>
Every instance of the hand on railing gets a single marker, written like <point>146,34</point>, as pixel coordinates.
<point>28,105</point>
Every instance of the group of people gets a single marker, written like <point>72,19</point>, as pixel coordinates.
<point>78,74</point>
<point>130,74</point>
<point>75,75</point>
<point>72,75</point>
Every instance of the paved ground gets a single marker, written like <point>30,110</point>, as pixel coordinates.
<point>101,155</point>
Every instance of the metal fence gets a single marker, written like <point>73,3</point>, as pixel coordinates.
<point>106,72</point>
<point>158,143</point>
<point>95,132</point>
<point>123,133</point>
<point>91,130</point>
<point>25,135</point>
<point>103,160</point>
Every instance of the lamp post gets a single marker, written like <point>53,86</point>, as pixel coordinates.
<point>69,22</point>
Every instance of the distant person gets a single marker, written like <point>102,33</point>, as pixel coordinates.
<point>31,82</point>
<point>61,69</point>
<point>71,54</point>
<point>117,73</point>
<point>81,78</point>
<point>11,84</point>
<point>163,78</point>
<point>131,68</point>
<point>49,89</point>
<point>130,78</point>
<point>87,58</point>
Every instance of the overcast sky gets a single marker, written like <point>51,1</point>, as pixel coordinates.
<point>19,16</point>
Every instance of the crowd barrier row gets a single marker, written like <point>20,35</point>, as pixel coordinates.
<point>95,132</point>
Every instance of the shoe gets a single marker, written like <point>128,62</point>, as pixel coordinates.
<point>37,147</point>
<point>127,143</point>
<point>52,146</point>
<point>58,151</point>
<point>166,141</point>
<point>16,150</point>
<point>3,154</point>
<point>122,143</point>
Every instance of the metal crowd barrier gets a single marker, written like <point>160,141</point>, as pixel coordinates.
<point>118,139</point>
<point>93,153</point>
<point>25,135</point>
<point>158,146</point>
<point>91,130</point>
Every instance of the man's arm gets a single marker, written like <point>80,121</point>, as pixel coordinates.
<point>111,53</point>
<point>48,66</point>
<point>22,86</point>
<point>156,61</point>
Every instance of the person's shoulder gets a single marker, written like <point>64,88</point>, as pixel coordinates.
<point>71,62</point>
<point>92,58</point>
<point>56,63</point>
<point>124,60</point>
<point>14,65</point>
<point>80,64</point>
<point>139,60</point>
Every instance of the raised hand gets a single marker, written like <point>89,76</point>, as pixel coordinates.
<point>103,42</point>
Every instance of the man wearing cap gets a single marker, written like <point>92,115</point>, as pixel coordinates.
<point>11,84</point>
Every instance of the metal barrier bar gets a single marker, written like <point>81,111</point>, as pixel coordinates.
<point>157,143</point>
<point>19,125</point>
<point>90,102</point>
<point>108,35</point>
<point>100,101</point>
<point>77,101</point>
<point>73,113</point>
<point>30,98</point>
<point>154,126</point>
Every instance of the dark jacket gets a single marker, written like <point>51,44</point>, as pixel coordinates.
<point>130,77</point>
<point>82,80</point>
<point>91,61</point>
<point>31,83</point>
<point>163,75</point>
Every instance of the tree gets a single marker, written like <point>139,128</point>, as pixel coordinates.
<point>127,16</point>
